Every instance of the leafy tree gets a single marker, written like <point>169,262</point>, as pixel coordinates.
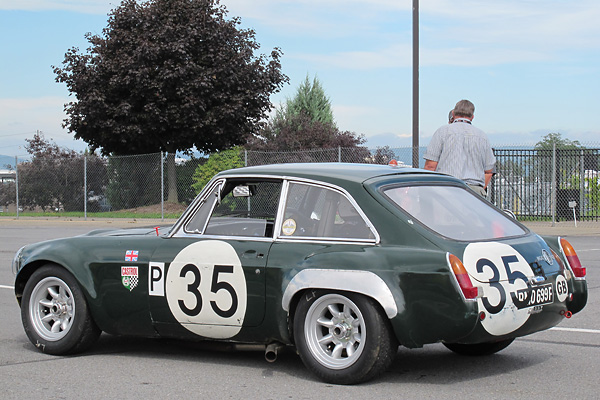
<point>299,132</point>
<point>185,179</point>
<point>593,194</point>
<point>383,155</point>
<point>54,178</point>
<point>509,168</point>
<point>169,75</point>
<point>304,122</point>
<point>216,163</point>
<point>572,160</point>
<point>566,157</point>
<point>555,138</point>
<point>134,181</point>
<point>311,100</point>
<point>7,193</point>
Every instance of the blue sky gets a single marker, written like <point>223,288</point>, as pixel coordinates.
<point>530,66</point>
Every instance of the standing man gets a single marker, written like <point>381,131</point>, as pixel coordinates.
<point>462,150</point>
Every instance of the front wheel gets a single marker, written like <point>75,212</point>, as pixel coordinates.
<point>343,337</point>
<point>55,314</point>
<point>479,349</point>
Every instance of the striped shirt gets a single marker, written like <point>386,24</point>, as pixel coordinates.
<point>463,151</point>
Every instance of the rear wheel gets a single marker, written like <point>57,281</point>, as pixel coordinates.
<point>344,338</point>
<point>55,314</point>
<point>479,349</point>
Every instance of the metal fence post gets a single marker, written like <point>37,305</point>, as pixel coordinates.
<point>581,185</point>
<point>339,154</point>
<point>162,187</point>
<point>245,158</point>
<point>553,186</point>
<point>17,184</point>
<point>85,187</point>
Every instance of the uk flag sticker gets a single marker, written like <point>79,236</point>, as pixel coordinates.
<point>131,255</point>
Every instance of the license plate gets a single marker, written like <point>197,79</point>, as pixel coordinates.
<point>535,296</point>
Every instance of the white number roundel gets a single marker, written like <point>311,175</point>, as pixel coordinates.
<point>206,289</point>
<point>503,274</point>
<point>562,289</point>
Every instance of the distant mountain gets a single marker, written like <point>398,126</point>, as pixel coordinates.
<point>388,139</point>
<point>8,162</point>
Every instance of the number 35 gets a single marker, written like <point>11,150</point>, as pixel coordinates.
<point>495,281</point>
<point>216,285</point>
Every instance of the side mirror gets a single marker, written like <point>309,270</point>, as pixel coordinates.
<point>242,191</point>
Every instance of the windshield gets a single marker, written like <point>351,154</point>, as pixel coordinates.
<point>454,212</point>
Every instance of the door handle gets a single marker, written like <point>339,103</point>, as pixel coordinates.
<point>252,254</point>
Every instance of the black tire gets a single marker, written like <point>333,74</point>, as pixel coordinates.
<point>479,349</point>
<point>55,313</point>
<point>352,346</point>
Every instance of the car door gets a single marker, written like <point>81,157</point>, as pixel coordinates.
<point>208,277</point>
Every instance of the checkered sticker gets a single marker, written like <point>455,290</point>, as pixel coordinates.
<point>129,277</point>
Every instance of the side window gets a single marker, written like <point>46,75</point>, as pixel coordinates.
<point>318,212</point>
<point>198,221</point>
<point>246,208</point>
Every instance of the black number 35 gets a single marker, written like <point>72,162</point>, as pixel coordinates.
<point>495,281</point>
<point>216,285</point>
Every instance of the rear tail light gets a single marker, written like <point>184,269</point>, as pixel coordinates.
<point>572,259</point>
<point>462,277</point>
<point>558,260</point>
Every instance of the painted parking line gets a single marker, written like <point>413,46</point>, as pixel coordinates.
<point>575,330</point>
<point>580,330</point>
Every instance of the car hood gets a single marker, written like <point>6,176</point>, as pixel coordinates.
<point>143,231</point>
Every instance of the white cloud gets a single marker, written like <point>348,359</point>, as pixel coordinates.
<point>395,56</point>
<point>519,25</point>
<point>21,118</point>
<point>551,26</point>
<point>86,6</point>
<point>400,56</point>
<point>452,32</point>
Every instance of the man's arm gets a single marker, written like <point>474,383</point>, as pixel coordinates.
<point>488,177</point>
<point>432,166</point>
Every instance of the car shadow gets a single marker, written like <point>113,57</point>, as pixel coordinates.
<point>206,352</point>
<point>435,364</point>
<point>432,364</point>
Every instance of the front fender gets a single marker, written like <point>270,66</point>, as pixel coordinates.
<point>58,252</point>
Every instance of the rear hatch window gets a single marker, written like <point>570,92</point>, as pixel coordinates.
<point>454,212</point>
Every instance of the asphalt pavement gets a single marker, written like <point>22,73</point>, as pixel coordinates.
<point>560,363</point>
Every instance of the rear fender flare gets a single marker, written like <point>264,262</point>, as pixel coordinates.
<point>363,282</point>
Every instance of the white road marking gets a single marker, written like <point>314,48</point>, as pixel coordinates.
<point>556,328</point>
<point>575,330</point>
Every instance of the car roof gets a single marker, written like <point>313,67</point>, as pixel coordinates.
<point>326,171</point>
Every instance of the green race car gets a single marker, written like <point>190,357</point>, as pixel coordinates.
<point>343,261</point>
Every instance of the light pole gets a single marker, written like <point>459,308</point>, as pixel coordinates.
<point>415,88</point>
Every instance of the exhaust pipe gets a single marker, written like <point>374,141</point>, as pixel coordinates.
<point>271,351</point>
<point>566,314</point>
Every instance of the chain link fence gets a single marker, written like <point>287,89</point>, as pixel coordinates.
<point>535,184</point>
<point>549,184</point>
